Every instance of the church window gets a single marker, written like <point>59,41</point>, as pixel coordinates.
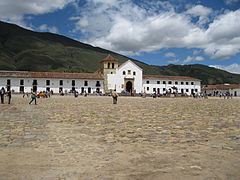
<point>35,82</point>
<point>186,90</point>
<point>73,82</point>
<point>124,73</point>
<point>8,82</point>
<point>158,82</point>
<point>108,65</point>
<point>134,73</point>
<point>112,65</point>
<point>186,83</point>
<point>169,82</point>
<point>164,82</point>
<point>154,89</point>
<point>61,82</point>
<point>176,82</point>
<point>192,83</point>
<point>129,72</point>
<point>182,83</point>
<point>21,82</point>
<point>147,82</point>
<point>98,84</point>
<point>48,82</point>
<point>147,88</point>
<point>85,83</point>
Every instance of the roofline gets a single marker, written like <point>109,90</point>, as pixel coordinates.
<point>170,77</point>
<point>55,75</point>
<point>130,62</point>
<point>109,58</point>
<point>221,87</point>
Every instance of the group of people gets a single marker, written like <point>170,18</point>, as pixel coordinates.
<point>226,95</point>
<point>8,94</point>
<point>34,96</point>
<point>4,93</point>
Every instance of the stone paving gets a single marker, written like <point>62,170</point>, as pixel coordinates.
<point>88,138</point>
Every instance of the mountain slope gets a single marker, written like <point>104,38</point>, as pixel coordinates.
<point>22,49</point>
<point>208,75</point>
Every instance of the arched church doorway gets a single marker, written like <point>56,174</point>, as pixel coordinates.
<point>129,87</point>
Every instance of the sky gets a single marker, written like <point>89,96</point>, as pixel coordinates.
<point>157,32</point>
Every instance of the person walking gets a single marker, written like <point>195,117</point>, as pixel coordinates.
<point>75,94</point>
<point>9,95</point>
<point>34,98</point>
<point>114,96</point>
<point>2,93</point>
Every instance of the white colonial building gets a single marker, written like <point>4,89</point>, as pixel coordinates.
<point>221,89</point>
<point>127,77</point>
<point>45,81</point>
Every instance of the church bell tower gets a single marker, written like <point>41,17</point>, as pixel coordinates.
<point>108,66</point>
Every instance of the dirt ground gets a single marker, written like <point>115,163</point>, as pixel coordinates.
<point>88,138</point>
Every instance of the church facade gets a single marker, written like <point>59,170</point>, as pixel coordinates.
<point>127,77</point>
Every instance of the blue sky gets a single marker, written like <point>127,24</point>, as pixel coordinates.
<point>157,32</point>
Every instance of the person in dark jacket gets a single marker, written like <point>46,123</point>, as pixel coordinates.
<point>2,93</point>
<point>9,95</point>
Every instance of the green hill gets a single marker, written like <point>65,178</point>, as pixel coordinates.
<point>25,50</point>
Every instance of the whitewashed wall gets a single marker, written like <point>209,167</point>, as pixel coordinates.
<point>116,81</point>
<point>234,92</point>
<point>54,84</point>
<point>161,88</point>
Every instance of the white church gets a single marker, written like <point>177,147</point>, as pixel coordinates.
<point>127,77</point>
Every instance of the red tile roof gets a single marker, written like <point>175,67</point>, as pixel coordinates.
<point>25,74</point>
<point>109,58</point>
<point>96,75</point>
<point>170,77</point>
<point>221,86</point>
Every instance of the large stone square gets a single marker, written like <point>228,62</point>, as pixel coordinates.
<point>88,138</point>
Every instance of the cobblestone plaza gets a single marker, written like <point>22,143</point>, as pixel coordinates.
<point>88,138</point>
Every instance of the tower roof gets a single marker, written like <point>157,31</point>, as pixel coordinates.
<point>109,58</point>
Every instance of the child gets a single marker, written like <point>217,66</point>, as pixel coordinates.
<point>34,98</point>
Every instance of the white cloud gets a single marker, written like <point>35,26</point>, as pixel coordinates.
<point>230,2</point>
<point>14,10</point>
<point>170,54</point>
<point>233,68</point>
<point>174,61</point>
<point>199,58</point>
<point>224,36</point>
<point>193,59</point>
<point>199,10</point>
<point>51,29</point>
<point>196,52</point>
<point>128,28</point>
